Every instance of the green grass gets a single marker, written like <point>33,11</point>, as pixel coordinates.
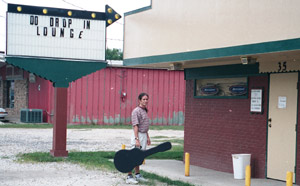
<point>162,179</point>
<point>37,126</point>
<point>92,126</point>
<point>176,153</point>
<point>101,160</point>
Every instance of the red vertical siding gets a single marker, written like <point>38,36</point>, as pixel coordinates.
<point>39,96</point>
<point>128,99</point>
<point>150,92</point>
<point>155,97</point>
<point>101,92</point>
<point>96,98</point>
<point>171,98</point>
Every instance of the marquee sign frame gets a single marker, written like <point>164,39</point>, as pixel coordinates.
<point>60,45</point>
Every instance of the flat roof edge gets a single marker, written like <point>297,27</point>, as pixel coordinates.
<point>139,10</point>
<point>240,50</point>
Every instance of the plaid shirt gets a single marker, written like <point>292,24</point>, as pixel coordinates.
<point>140,117</point>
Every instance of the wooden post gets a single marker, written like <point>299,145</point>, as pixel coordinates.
<point>60,123</point>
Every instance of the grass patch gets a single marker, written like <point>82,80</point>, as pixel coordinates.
<point>30,125</point>
<point>177,141</point>
<point>4,157</point>
<point>176,153</point>
<point>162,179</point>
<point>91,126</point>
<point>159,137</point>
<point>101,160</point>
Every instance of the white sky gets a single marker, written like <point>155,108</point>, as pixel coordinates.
<point>114,31</point>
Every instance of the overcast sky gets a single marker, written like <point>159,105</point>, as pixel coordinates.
<point>114,32</point>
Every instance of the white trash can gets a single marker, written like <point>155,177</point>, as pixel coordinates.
<point>240,161</point>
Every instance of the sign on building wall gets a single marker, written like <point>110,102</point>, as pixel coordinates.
<point>221,87</point>
<point>256,100</point>
<point>55,33</point>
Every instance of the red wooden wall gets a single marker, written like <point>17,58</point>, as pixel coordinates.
<point>97,98</point>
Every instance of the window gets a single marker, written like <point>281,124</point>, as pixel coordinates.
<point>221,88</point>
<point>10,93</point>
<point>13,73</point>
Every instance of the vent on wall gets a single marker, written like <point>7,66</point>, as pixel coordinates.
<point>31,115</point>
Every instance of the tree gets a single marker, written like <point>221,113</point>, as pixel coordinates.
<point>113,54</point>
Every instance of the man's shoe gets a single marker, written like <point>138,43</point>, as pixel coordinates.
<point>139,177</point>
<point>131,180</point>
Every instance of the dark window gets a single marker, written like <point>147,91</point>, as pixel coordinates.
<point>10,93</point>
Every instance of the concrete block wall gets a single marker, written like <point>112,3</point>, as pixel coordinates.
<point>217,128</point>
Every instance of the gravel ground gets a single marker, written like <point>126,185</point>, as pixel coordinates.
<point>15,141</point>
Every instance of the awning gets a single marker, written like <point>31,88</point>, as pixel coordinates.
<point>60,72</point>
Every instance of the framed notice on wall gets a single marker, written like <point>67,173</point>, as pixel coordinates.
<point>256,101</point>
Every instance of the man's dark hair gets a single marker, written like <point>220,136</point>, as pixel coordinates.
<point>141,96</point>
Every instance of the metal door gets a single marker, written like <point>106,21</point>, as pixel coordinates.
<point>282,125</point>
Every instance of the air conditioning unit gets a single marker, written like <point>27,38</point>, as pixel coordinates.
<point>31,115</point>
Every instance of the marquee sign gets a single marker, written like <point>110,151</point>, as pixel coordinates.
<point>56,33</point>
<point>60,45</point>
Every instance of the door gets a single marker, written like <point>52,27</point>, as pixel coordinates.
<point>282,125</point>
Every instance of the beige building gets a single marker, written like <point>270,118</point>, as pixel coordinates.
<point>241,60</point>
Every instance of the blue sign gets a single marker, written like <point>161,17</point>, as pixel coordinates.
<point>210,90</point>
<point>238,89</point>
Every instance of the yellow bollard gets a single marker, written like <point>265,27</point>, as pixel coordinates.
<point>187,164</point>
<point>123,146</point>
<point>289,178</point>
<point>144,162</point>
<point>248,176</point>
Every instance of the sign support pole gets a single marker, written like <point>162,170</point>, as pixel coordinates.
<point>60,123</point>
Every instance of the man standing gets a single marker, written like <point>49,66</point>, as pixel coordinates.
<point>140,138</point>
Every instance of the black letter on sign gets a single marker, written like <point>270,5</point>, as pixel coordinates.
<point>71,33</point>
<point>57,22</point>
<point>51,21</point>
<point>62,32</point>
<point>69,22</point>
<point>31,20</point>
<point>80,34</point>
<point>45,31</point>
<point>86,24</point>
<point>36,20</point>
<point>53,32</point>
<point>64,23</point>
<point>37,31</point>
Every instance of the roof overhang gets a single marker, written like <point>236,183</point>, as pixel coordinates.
<point>266,51</point>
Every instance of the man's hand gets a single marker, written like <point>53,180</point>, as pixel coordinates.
<point>148,141</point>
<point>137,143</point>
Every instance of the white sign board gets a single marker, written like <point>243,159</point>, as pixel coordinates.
<point>256,100</point>
<point>282,102</point>
<point>55,36</point>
